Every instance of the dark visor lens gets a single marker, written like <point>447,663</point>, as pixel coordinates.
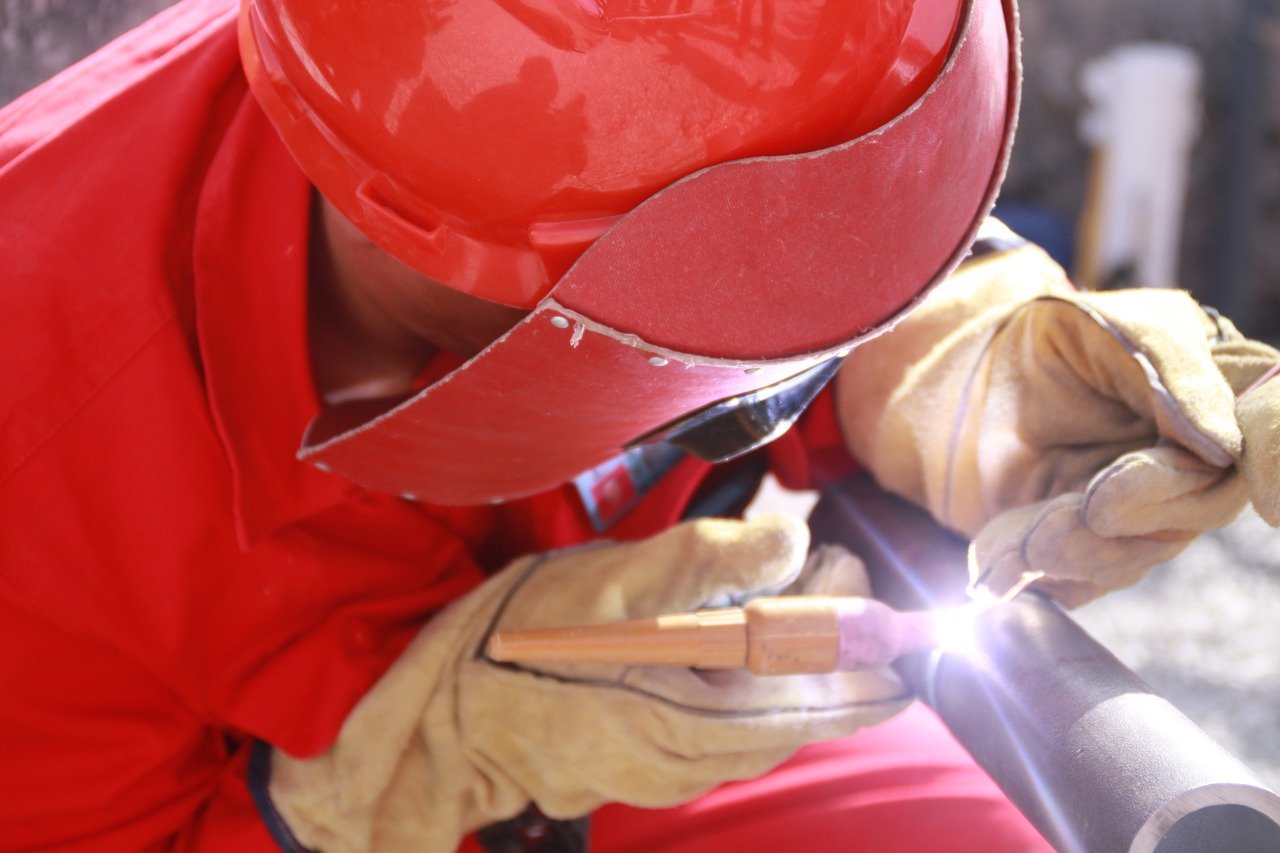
<point>727,429</point>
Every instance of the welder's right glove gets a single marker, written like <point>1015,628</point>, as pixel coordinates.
<point>449,740</point>
<point>1079,437</point>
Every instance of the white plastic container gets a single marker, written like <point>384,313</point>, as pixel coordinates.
<point>1142,120</point>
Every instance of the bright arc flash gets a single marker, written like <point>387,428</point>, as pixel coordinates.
<point>956,629</point>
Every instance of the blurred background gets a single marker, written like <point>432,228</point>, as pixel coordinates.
<point>1199,82</point>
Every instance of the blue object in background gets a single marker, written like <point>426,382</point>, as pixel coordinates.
<point>1046,228</point>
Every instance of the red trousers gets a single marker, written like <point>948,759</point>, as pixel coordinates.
<point>903,787</point>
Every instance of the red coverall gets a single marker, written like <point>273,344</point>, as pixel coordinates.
<point>173,583</point>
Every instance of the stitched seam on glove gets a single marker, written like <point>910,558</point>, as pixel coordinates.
<point>1210,450</point>
<point>957,426</point>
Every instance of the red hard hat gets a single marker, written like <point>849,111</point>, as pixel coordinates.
<point>487,143</point>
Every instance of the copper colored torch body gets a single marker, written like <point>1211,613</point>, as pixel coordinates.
<point>767,636</point>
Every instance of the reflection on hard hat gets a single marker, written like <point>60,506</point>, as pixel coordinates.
<point>486,143</point>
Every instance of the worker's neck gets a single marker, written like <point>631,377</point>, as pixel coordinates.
<point>373,322</point>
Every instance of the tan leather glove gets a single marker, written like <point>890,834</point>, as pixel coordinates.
<point>1082,436</point>
<point>1258,413</point>
<point>449,741</point>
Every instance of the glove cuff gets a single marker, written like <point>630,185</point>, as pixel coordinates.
<point>259,781</point>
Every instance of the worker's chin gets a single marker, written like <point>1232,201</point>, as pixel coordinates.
<point>465,345</point>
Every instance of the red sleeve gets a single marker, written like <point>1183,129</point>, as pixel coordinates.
<point>100,756</point>
<point>812,453</point>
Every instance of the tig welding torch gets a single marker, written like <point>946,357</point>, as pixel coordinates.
<point>767,636</point>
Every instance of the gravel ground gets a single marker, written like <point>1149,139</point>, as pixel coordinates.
<point>1203,630</point>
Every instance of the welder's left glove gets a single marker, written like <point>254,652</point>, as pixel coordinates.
<point>451,739</point>
<point>1085,437</point>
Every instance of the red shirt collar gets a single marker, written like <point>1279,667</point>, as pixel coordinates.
<point>250,270</point>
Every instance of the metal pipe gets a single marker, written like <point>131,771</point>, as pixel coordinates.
<point>1089,753</point>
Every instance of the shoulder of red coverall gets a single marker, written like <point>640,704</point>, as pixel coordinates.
<point>812,454</point>
<point>115,488</point>
<point>187,28</point>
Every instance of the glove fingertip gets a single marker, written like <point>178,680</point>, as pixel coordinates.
<point>788,528</point>
<point>765,552</point>
<point>1261,461</point>
<point>1072,594</point>
<point>777,536</point>
<point>993,571</point>
<point>1266,502</point>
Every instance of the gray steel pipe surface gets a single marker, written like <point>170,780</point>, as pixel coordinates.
<point>1089,753</point>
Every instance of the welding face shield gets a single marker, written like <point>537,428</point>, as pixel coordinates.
<point>712,313</point>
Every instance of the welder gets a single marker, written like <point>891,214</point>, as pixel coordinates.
<point>341,335</point>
